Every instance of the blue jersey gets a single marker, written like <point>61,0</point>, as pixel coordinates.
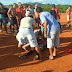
<point>52,24</point>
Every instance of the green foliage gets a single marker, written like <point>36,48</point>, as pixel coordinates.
<point>48,7</point>
<point>62,8</point>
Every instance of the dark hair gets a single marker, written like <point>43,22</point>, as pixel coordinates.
<point>53,6</point>
<point>69,6</point>
<point>30,16</point>
<point>14,3</point>
<point>19,2</point>
<point>39,9</point>
<point>1,4</point>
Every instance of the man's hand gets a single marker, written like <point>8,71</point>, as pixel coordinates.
<point>45,35</point>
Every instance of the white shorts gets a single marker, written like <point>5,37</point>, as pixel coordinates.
<point>68,17</point>
<point>25,32</point>
<point>53,39</point>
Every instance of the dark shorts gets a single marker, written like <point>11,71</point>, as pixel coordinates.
<point>5,21</point>
<point>13,21</point>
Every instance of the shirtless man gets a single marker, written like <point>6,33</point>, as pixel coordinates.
<point>12,16</point>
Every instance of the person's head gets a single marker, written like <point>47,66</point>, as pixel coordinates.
<point>29,14</point>
<point>29,6</point>
<point>53,6</point>
<point>39,10</point>
<point>36,6</point>
<point>14,5</point>
<point>1,6</point>
<point>19,4</point>
<point>24,6</point>
<point>69,7</point>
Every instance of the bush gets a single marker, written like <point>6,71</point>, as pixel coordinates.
<point>48,7</point>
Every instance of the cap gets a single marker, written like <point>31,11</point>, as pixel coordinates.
<point>36,5</point>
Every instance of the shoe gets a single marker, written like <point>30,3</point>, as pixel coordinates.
<point>36,57</point>
<point>67,50</point>
<point>19,55</point>
<point>50,57</point>
<point>24,56</point>
<point>54,55</point>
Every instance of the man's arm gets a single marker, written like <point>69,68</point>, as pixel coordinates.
<point>8,13</point>
<point>66,11</point>
<point>45,28</point>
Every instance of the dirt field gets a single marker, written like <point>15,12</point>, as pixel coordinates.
<point>9,62</point>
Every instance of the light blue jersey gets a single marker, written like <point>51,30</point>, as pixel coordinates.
<point>52,23</point>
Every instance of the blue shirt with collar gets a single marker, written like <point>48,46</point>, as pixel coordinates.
<point>52,24</point>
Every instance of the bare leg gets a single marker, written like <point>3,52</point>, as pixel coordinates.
<point>54,52</point>
<point>17,27</point>
<point>38,51</point>
<point>26,45</point>
<point>6,30</point>
<point>10,28</point>
<point>19,47</point>
<point>51,53</point>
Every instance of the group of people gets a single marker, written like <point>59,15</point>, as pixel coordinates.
<point>13,16</point>
<point>50,31</point>
<point>27,21</point>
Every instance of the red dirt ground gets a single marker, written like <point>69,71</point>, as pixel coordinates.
<point>9,62</point>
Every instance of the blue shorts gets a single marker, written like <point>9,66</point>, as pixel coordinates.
<point>5,21</point>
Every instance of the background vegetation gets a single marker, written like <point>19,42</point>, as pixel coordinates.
<point>47,7</point>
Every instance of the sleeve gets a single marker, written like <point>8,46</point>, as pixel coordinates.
<point>43,18</point>
<point>17,10</point>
